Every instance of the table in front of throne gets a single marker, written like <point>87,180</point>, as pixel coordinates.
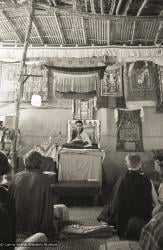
<point>80,173</point>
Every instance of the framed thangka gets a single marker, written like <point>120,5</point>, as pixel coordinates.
<point>141,81</point>
<point>111,84</point>
<point>83,109</point>
<point>129,130</point>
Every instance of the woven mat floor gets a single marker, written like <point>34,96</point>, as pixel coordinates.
<point>84,216</point>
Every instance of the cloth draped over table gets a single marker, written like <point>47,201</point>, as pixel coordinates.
<point>129,129</point>
<point>81,165</point>
<point>75,85</point>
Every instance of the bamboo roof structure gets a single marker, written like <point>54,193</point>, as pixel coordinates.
<point>83,22</point>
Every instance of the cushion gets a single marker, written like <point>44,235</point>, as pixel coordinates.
<point>61,212</point>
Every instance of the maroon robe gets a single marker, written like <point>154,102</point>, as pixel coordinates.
<point>34,208</point>
<point>131,197</point>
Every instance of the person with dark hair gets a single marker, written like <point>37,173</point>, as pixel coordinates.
<point>79,136</point>
<point>7,205</point>
<point>132,200</point>
<point>32,192</point>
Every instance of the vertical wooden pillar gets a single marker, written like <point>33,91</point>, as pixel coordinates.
<point>19,89</point>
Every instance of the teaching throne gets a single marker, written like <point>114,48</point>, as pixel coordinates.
<point>80,169</point>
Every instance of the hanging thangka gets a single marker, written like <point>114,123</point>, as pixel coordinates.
<point>84,109</point>
<point>9,80</point>
<point>129,130</point>
<point>141,81</point>
<point>37,83</point>
<point>111,84</point>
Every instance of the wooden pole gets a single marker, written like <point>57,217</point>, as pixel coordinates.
<point>127,6</point>
<point>19,87</point>
<point>142,7</point>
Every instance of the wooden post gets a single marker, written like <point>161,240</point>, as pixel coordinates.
<point>142,7</point>
<point>19,88</point>
<point>125,80</point>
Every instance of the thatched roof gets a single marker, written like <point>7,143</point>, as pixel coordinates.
<point>83,22</point>
<point>111,7</point>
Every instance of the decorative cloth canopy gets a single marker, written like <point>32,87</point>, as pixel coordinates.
<point>123,53</point>
<point>76,83</point>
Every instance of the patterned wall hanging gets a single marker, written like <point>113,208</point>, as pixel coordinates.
<point>129,130</point>
<point>83,109</point>
<point>102,101</point>
<point>34,84</point>
<point>111,84</point>
<point>141,81</point>
<point>9,80</point>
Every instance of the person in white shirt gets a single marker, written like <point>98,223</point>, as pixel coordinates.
<point>80,136</point>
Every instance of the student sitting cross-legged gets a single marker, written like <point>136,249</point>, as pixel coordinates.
<point>132,200</point>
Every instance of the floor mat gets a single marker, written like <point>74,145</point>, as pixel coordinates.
<point>83,216</point>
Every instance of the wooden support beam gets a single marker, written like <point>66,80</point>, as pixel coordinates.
<point>20,86</point>
<point>142,7</point>
<point>118,7</point>
<point>86,6</point>
<point>161,42</point>
<point>127,6</point>
<point>59,28</point>
<point>74,5</point>
<point>108,32</point>
<point>134,24</point>
<point>84,31</point>
<point>125,80</point>
<point>158,32</point>
<point>102,6</point>
<point>133,32</point>
<point>92,6</point>
<point>12,27</point>
<point>54,3</point>
<point>38,31</point>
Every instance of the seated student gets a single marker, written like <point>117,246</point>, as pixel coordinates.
<point>7,205</point>
<point>152,234</point>
<point>79,136</point>
<point>132,198</point>
<point>32,192</point>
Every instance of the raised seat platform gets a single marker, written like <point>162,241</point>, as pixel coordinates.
<point>77,188</point>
